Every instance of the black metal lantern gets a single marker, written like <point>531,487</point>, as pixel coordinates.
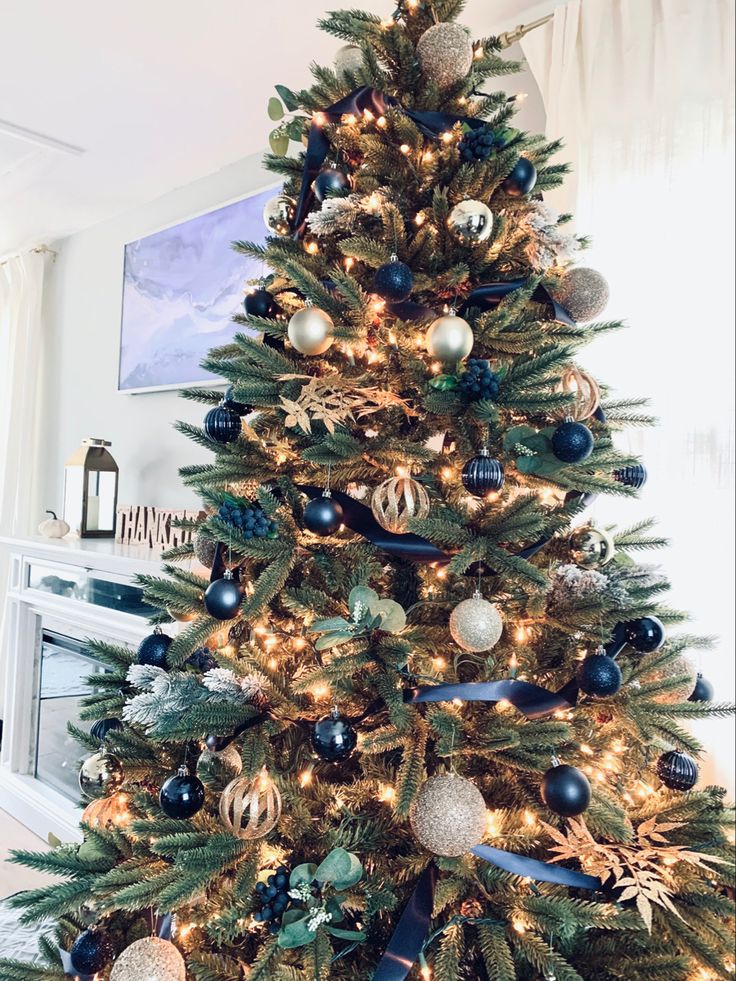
<point>91,490</point>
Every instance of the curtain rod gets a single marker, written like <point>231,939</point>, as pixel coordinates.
<point>521,30</point>
<point>38,250</point>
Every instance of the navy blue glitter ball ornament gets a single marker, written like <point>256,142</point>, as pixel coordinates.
<point>677,770</point>
<point>478,381</point>
<point>644,635</point>
<point>482,475</point>
<point>333,738</point>
<point>230,402</point>
<point>152,649</point>
<point>479,144</point>
<point>565,790</point>
<point>599,675</point>
<point>98,730</point>
<point>703,690</point>
<point>91,952</point>
<point>222,425</point>
<point>260,303</point>
<point>330,180</point>
<point>522,178</point>
<point>323,515</point>
<point>182,795</point>
<point>223,597</point>
<point>572,442</point>
<point>634,476</point>
<point>393,280</point>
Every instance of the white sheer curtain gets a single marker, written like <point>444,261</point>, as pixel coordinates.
<point>641,93</point>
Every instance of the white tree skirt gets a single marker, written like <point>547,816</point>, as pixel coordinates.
<point>17,940</point>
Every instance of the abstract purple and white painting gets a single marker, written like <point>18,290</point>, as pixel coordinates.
<point>181,287</point>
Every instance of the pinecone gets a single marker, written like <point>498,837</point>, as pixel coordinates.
<point>471,907</point>
<point>478,381</point>
<point>479,144</point>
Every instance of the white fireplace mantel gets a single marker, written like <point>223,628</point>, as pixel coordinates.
<point>37,566</point>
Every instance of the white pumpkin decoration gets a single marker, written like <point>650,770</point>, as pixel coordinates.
<point>53,527</point>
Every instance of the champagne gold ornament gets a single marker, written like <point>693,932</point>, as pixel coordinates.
<point>181,617</point>
<point>250,808</point>
<point>278,214</point>
<point>397,500</point>
<point>100,775</point>
<point>591,548</point>
<point>222,766</point>
<point>149,959</point>
<point>586,391</point>
<point>204,549</point>
<point>449,338</point>
<point>107,812</point>
<point>476,624</point>
<point>583,293</point>
<point>471,222</point>
<point>448,816</point>
<point>445,53</point>
<point>310,330</point>
<point>348,60</point>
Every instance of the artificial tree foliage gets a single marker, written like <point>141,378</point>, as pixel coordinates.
<point>319,625</point>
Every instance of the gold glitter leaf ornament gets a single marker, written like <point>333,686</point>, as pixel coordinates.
<point>335,401</point>
<point>448,816</point>
<point>249,808</point>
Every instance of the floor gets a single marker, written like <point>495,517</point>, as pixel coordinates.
<point>14,878</point>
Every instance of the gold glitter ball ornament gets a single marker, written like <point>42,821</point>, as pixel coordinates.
<point>445,53</point>
<point>476,624</point>
<point>449,338</point>
<point>348,61</point>
<point>587,394</point>
<point>250,808</point>
<point>583,293</point>
<point>397,500</point>
<point>448,816</point>
<point>204,549</point>
<point>471,222</point>
<point>278,214</point>
<point>591,548</point>
<point>310,331</point>
<point>149,959</point>
<point>100,775</point>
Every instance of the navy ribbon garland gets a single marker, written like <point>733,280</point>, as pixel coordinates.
<point>533,701</point>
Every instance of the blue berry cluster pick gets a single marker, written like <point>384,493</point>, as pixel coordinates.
<point>480,143</point>
<point>202,660</point>
<point>478,381</point>
<point>273,895</point>
<point>251,520</point>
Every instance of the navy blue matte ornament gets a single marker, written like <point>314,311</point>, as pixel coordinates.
<point>482,475</point>
<point>230,402</point>
<point>223,597</point>
<point>599,675</point>
<point>152,649</point>
<point>260,303</point>
<point>677,770</point>
<point>703,690</point>
<point>393,280</point>
<point>91,952</point>
<point>522,178</point>
<point>333,738</point>
<point>323,515</point>
<point>565,790</point>
<point>572,442</point>
<point>634,476</point>
<point>222,425</point>
<point>330,180</point>
<point>644,635</point>
<point>181,795</point>
<point>98,730</point>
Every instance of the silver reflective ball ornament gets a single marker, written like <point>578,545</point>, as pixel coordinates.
<point>278,214</point>
<point>448,816</point>
<point>591,548</point>
<point>100,775</point>
<point>310,331</point>
<point>471,222</point>
<point>476,624</point>
<point>449,338</point>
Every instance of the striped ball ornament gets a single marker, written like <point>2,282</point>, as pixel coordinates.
<point>222,425</point>
<point>482,474</point>
<point>677,770</point>
<point>635,476</point>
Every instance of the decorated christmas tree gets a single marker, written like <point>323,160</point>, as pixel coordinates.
<point>416,718</point>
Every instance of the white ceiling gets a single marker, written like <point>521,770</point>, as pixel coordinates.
<point>105,106</point>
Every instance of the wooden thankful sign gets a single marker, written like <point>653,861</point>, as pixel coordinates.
<point>140,525</point>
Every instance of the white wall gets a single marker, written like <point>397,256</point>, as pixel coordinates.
<point>82,313</point>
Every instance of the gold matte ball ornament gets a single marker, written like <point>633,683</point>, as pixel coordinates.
<point>476,624</point>
<point>449,338</point>
<point>249,808</point>
<point>591,548</point>
<point>278,214</point>
<point>100,775</point>
<point>310,331</point>
<point>397,500</point>
<point>471,222</point>
<point>448,816</point>
<point>445,53</point>
<point>149,959</point>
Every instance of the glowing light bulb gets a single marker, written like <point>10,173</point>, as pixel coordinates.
<point>319,119</point>
<point>446,137</point>
<point>405,148</point>
<point>350,119</point>
<point>374,202</point>
<point>402,472</point>
<point>447,473</point>
<point>427,157</point>
<point>518,926</point>
<point>419,218</point>
<point>305,777</point>
<point>530,819</point>
<point>320,691</point>
<point>349,262</point>
<point>439,663</point>
<point>435,368</point>
<point>504,705</point>
<point>386,794</point>
<point>587,750</point>
<point>478,53</point>
<point>381,121</point>
<point>368,116</point>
